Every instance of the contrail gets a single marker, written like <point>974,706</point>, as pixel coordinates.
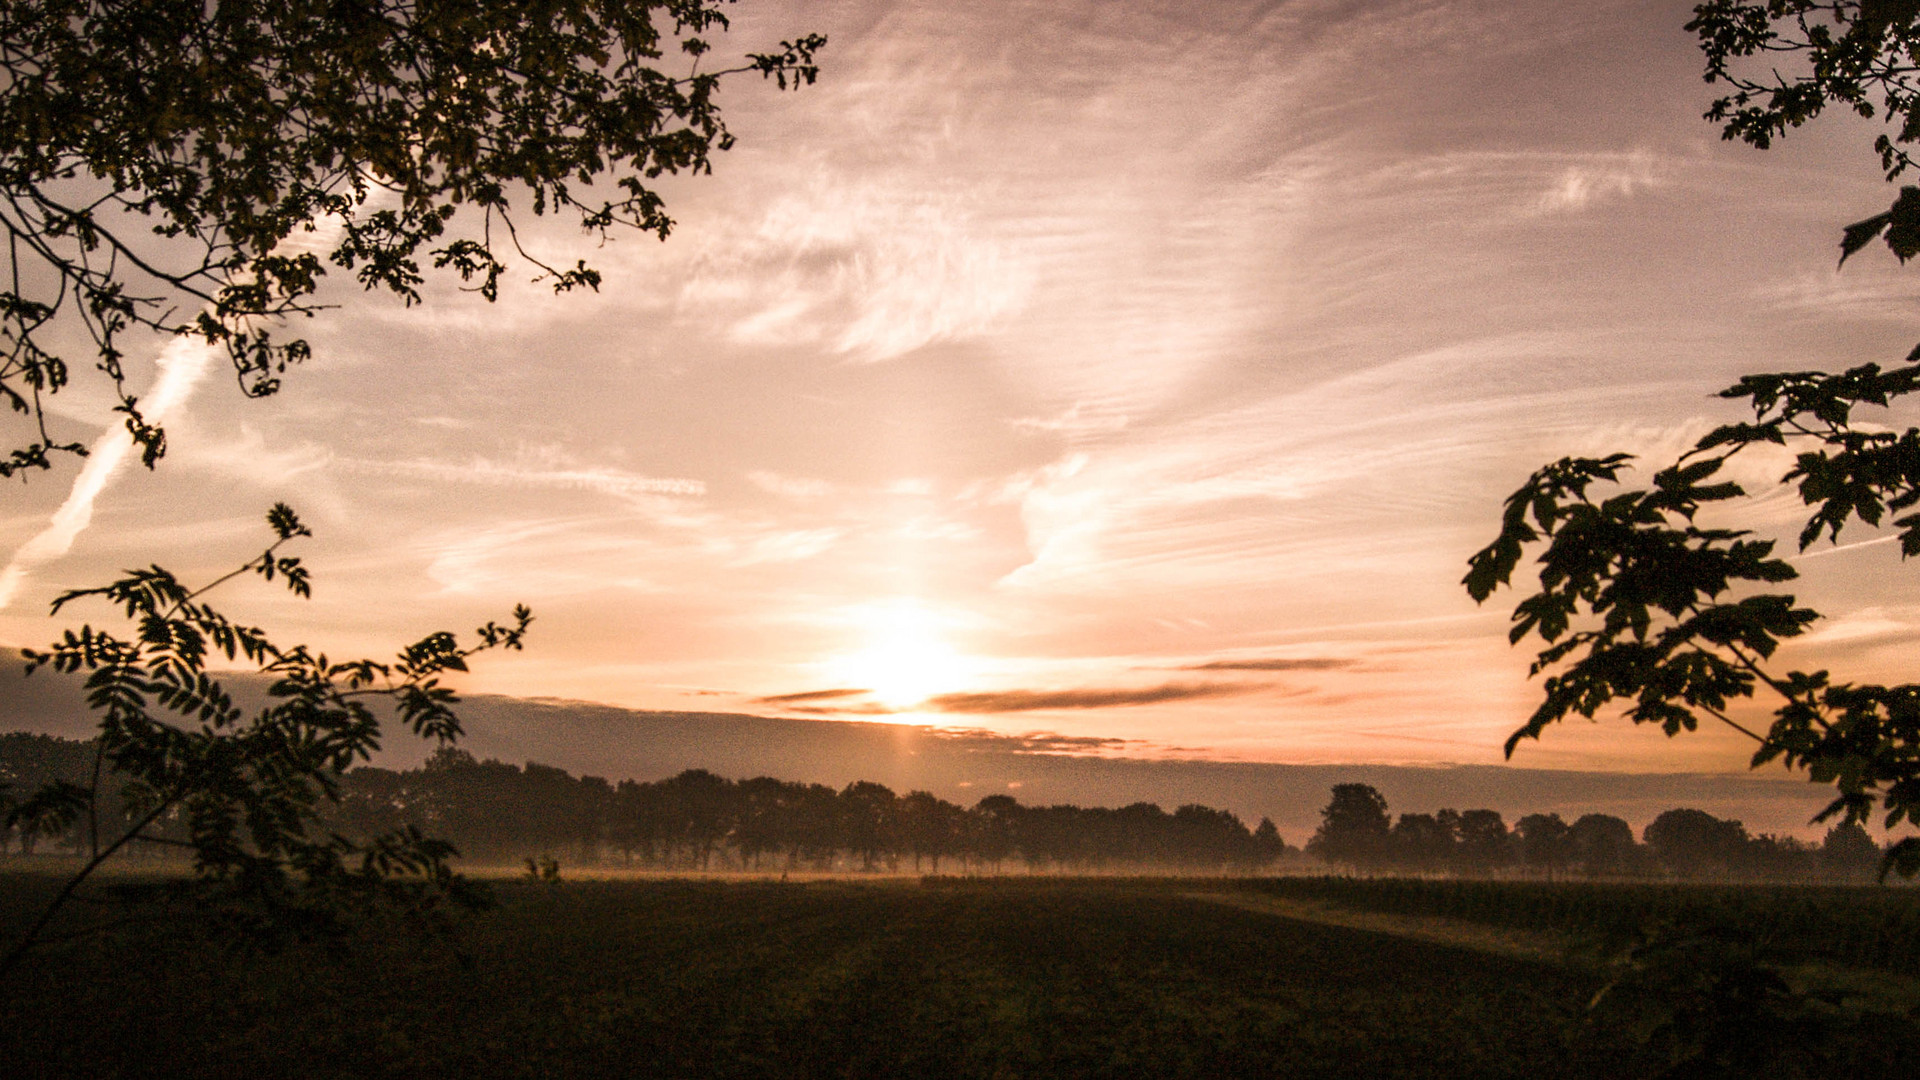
<point>182,364</point>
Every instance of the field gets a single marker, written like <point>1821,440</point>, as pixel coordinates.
<point>1849,926</point>
<point>961,978</point>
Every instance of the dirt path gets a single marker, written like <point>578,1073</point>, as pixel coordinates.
<point>1515,944</point>
<point>1880,990</point>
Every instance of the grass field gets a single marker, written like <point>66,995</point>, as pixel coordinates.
<point>962,978</point>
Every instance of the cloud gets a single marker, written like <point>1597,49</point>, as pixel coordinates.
<point>1860,293</point>
<point>873,708</point>
<point>787,546</point>
<point>1079,420</point>
<point>1326,473</point>
<point>1601,179</point>
<point>482,471</point>
<point>870,268</point>
<point>789,487</point>
<point>1035,742</point>
<point>910,486</point>
<point>1874,625</point>
<point>183,363</point>
<point>250,456</point>
<point>810,695</point>
<point>1275,663</point>
<point>1005,701</point>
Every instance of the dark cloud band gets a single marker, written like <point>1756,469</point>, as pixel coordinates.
<point>810,695</point>
<point>1273,664</point>
<point>1006,701</point>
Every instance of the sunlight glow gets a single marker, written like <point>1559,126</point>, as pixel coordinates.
<point>907,659</point>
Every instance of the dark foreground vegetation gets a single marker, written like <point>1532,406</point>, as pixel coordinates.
<point>1851,926</point>
<point>675,978</point>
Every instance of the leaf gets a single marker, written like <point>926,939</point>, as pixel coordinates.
<point>1861,233</point>
<point>1903,226</point>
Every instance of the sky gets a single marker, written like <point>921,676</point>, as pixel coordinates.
<point>1143,373</point>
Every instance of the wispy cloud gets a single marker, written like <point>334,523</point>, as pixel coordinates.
<point>790,487</point>
<point>1273,663</point>
<point>1600,178</point>
<point>787,545</point>
<point>808,696</point>
<point>482,471</point>
<point>1863,291</point>
<point>859,708</point>
<point>1079,420</point>
<point>249,455</point>
<point>1038,742</point>
<point>1007,701</point>
<point>866,268</point>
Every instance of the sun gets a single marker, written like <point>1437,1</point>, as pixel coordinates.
<point>907,659</point>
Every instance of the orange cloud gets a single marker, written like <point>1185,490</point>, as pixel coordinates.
<point>1004,701</point>
<point>810,695</point>
<point>1272,664</point>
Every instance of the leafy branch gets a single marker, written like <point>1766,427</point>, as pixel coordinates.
<point>242,791</point>
<point>1638,604</point>
<point>235,133</point>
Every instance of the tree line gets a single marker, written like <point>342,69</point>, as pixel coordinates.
<point>1357,832</point>
<point>496,812</point>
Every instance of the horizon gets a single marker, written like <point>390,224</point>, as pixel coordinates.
<point>1037,768</point>
<point>1143,375</point>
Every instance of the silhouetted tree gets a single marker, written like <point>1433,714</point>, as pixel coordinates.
<point>31,762</point>
<point>1691,842</point>
<point>1768,857</point>
<point>1210,838</point>
<point>1353,827</point>
<point>699,810</point>
<point>996,828</point>
<point>374,801</point>
<point>1137,833</point>
<point>931,827</point>
<point>1602,845</point>
<point>764,818</point>
<point>868,818</point>
<point>1545,841</point>
<point>1638,604</point>
<point>1485,844</point>
<point>1268,845</point>
<point>632,827</point>
<point>815,834</point>
<point>1847,853</point>
<point>1426,842</point>
<point>506,814</point>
